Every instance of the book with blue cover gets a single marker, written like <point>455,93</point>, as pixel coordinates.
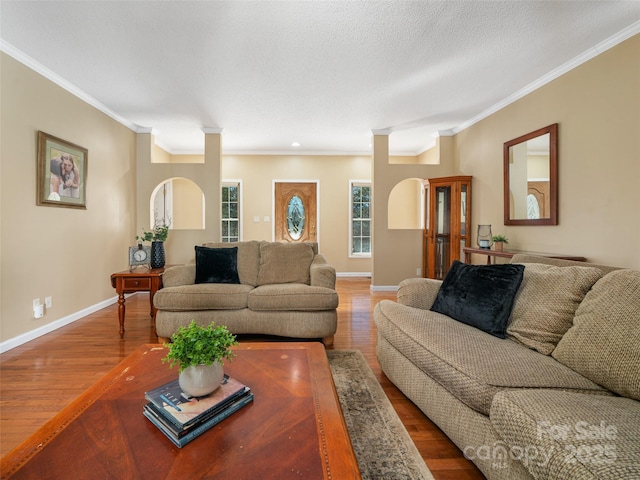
<point>183,430</point>
<point>180,439</point>
<point>183,410</point>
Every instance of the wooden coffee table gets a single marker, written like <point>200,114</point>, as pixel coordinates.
<point>294,428</point>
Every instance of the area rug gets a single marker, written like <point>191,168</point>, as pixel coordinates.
<point>383,447</point>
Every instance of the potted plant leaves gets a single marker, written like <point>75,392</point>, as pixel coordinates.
<point>199,352</point>
<point>499,241</point>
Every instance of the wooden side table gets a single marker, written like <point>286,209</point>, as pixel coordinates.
<point>140,279</point>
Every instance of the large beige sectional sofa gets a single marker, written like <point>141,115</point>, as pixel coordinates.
<point>558,398</point>
<point>283,289</point>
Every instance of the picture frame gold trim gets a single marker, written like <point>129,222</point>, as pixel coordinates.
<point>61,173</point>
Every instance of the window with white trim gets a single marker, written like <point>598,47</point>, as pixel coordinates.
<point>230,211</point>
<point>360,219</point>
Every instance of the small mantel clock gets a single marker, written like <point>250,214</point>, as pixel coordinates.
<point>139,255</point>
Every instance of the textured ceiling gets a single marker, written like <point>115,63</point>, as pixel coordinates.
<point>321,73</point>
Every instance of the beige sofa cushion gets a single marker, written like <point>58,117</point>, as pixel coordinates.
<point>546,303</point>
<point>321,273</point>
<point>179,275</point>
<point>248,259</point>
<point>284,263</point>
<point>292,296</point>
<point>469,363</point>
<point>203,296</point>
<point>567,436</point>
<point>604,342</point>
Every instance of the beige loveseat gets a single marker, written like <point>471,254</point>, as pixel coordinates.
<point>558,398</point>
<point>284,289</point>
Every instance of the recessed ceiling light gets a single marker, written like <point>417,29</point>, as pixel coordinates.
<point>295,144</point>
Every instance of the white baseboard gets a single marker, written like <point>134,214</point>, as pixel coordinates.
<point>353,274</point>
<point>373,288</point>
<point>50,327</point>
<point>383,288</point>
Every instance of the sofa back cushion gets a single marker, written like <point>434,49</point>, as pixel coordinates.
<point>604,342</point>
<point>559,262</point>
<point>546,303</point>
<point>248,259</point>
<point>284,263</point>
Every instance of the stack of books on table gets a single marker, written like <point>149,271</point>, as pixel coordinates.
<point>182,418</point>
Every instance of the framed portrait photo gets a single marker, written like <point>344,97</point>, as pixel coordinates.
<point>61,172</point>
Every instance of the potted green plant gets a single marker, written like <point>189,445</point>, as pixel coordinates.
<point>199,352</point>
<point>158,233</point>
<point>499,241</point>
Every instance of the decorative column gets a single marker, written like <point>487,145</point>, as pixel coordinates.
<point>213,165</point>
<point>379,167</point>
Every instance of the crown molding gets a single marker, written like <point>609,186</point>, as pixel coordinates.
<point>382,131</point>
<point>601,47</point>
<point>446,133</point>
<point>214,130</point>
<point>150,130</point>
<point>61,82</point>
<point>297,153</point>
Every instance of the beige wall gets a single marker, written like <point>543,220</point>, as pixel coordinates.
<point>188,202</point>
<point>154,167</point>
<point>67,254</point>
<point>333,174</point>
<point>597,107</point>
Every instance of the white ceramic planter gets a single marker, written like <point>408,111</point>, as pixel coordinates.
<point>201,380</point>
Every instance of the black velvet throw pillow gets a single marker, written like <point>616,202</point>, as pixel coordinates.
<point>480,295</point>
<point>217,265</point>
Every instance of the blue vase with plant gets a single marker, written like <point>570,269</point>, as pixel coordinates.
<point>157,237</point>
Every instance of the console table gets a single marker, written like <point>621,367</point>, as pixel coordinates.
<point>139,279</point>
<point>510,253</point>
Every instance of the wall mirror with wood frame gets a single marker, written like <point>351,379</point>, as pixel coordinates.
<point>531,178</point>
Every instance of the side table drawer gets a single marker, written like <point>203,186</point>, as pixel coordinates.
<point>137,283</point>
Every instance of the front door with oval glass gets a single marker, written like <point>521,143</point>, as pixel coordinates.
<point>295,212</point>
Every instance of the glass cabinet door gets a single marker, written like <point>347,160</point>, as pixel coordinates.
<point>442,230</point>
<point>449,220</point>
<point>464,227</point>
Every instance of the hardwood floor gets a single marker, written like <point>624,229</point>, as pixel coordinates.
<point>41,377</point>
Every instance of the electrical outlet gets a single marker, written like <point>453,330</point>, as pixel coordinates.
<point>418,271</point>
<point>47,302</point>
<point>36,302</point>
<point>38,311</point>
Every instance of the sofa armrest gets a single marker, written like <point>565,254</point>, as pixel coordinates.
<point>322,274</point>
<point>418,292</point>
<point>179,275</point>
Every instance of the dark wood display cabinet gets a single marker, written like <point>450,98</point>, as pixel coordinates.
<point>448,223</point>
